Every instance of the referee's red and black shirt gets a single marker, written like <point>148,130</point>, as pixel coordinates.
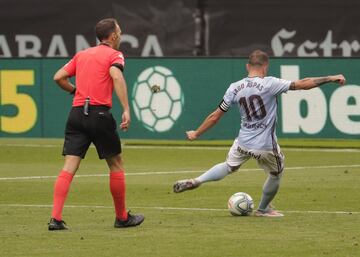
<point>91,68</point>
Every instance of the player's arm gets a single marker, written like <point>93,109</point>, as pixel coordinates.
<point>208,123</point>
<point>61,77</point>
<point>121,92</point>
<point>309,83</point>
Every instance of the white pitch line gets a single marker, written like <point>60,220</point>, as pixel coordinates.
<point>195,147</point>
<point>166,208</point>
<point>179,172</point>
<point>325,212</point>
<point>226,148</point>
<point>325,150</point>
<point>105,175</point>
<point>30,145</point>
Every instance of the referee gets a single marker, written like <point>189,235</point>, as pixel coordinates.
<point>98,72</point>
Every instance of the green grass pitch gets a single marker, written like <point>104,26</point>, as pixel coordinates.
<point>319,196</point>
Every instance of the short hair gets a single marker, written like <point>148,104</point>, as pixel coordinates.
<point>105,27</point>
<point>258,58</point>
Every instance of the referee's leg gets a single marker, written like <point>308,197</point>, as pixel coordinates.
<point>117,185</point>
<point>117,189</point>
<point>71,163</point>
<point>76,144</point>
<point>61,189</point>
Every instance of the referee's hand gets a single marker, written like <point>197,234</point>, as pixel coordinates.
<point>125,121</point>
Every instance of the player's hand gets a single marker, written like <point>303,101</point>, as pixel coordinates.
<point>339,79</point>
<point>125,121</point>
<point>191,135</point>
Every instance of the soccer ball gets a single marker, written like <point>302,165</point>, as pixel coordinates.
<point>157,99</point>
<point>240,204</point>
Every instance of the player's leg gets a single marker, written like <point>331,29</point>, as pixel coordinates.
<point>273,165</point>
<point>270,189</point>
<point>76,144</point>
<point>217,172</point>
<point>108,146</point>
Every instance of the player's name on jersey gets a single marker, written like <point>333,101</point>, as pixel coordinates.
<point>248,84</point>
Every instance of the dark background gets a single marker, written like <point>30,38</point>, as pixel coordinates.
<point>189,27</point>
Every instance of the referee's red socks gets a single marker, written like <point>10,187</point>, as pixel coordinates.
<point>61,190</point>
<point>117,189</point>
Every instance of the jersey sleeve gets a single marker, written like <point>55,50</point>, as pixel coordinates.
<point>227,100</point>
<point>279,86</point>
<point>117,60</point>
<point>70,67</point>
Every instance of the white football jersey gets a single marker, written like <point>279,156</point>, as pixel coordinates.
<point>256,98</point>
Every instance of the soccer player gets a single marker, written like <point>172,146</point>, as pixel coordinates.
<point>256,98</point>
<point>98,72</point>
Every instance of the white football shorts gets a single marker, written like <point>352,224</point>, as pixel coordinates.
<point>271,161</point>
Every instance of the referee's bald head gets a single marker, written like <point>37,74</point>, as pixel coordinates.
<point>258,58</point>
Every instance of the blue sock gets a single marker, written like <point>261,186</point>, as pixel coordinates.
<point>219,171</point>
<point>270,188</point>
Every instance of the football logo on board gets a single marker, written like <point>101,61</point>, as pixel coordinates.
<point>157,99</point>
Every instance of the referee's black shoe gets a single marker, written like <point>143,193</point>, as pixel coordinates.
<point>132,221</point>
<point>55,224</point>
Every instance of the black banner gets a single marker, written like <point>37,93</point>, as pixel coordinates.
<point>284,27</point>
<point>47,28</point>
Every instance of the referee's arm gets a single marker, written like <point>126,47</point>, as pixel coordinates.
<point>121,92</point>
<point>61,77</point>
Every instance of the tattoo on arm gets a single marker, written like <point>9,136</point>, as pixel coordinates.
<point>321,80</point>
<point>292,86</point>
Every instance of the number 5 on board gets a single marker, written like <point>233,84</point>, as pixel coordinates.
<point>26,115</point>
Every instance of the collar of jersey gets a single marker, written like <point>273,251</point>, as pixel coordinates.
<point>104,44</point>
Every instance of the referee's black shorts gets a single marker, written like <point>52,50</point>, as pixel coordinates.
<point>98,127</point>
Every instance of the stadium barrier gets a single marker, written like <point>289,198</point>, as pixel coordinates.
<point>32,105</point>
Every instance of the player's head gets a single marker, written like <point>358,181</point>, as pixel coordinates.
<point>108,30</point>
<point>258,60</point>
